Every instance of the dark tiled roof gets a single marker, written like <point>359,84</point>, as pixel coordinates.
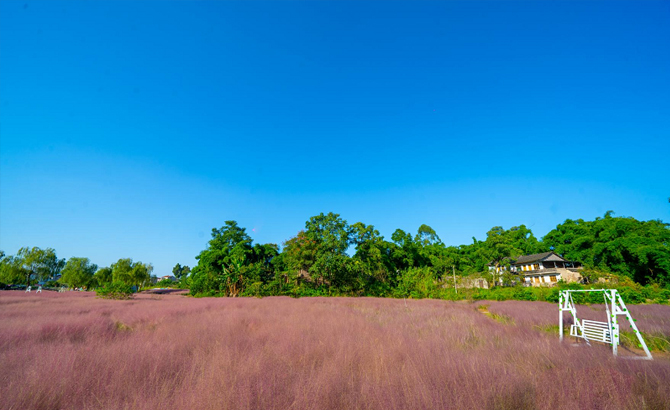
<point>533,258</point>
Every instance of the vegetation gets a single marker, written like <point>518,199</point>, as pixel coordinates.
<point>115,290</point>
<point>180,272</point>
<point>79,272</point>
<point>625,246</point>
<point>29,266</point>
<point>32,265</point>
<point>332,257</point>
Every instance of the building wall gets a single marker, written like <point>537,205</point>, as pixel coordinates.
<point>544,278</point>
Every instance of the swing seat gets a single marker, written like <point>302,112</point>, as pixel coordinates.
<point>592,330</point>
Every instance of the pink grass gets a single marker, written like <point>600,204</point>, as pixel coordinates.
<point>72,350</point>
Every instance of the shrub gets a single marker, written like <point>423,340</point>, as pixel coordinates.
<point>632,296</point>
<point>165,283</point>
<point>417,283</point>
<point>524,294</point>
<point>115,290</point>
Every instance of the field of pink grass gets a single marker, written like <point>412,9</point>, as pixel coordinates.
<point>74,351</point>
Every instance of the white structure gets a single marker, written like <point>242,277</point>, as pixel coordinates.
<point>590,330</point>
<point>541,269</point>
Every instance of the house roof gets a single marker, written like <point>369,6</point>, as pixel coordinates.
<point>538,257</point>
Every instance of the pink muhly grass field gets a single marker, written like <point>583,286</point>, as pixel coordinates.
<point>74,351</point>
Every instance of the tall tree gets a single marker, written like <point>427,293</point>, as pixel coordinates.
<point>298,257</point>
<point>180,272</point>
<point>122,271</point>
<point>230,264</point>
<point>332,237</point>
<point>372,259</point>
<point>11,270</point>
<point>39,264</point>
<point>104,275</point>
<point>427,236</point>
<point>141,274</point>
<point>131,273</point>
<point>78,272</point>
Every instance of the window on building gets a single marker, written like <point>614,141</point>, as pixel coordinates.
<point>553,278</point>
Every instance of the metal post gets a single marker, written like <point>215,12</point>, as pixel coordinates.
<point>454,271</point>
<point>560,315</point>
<point>631,321</point>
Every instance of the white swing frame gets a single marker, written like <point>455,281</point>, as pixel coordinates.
<point>591,330</point>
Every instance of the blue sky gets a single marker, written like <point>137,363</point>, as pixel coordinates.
<point>131,129</point>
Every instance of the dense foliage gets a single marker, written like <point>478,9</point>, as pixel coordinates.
<point>29,266</point>
<point>332,257</point>
<point>639,250</point>
<point>34,265</point>
<point>115,290</point>
<point>231,265</point>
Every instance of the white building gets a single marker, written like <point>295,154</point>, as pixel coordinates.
<point>542,269</point>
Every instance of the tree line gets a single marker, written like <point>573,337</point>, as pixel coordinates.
<point>33,265</point>
<point>332,257</point>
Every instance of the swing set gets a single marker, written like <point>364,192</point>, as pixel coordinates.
<point>594,331</point>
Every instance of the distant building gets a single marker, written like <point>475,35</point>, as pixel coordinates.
<point>542,269</point>
<point>167,277</point>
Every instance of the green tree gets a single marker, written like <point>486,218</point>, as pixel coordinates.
<point>332,236</point>
<point>11,270</point>
<point>372,260</point>
<point>104,275</point>
<point>38,264</point>
<point>231,265</point>
<point>141,274</point>
<point>131,273</point>
<point>407,252</point>
<point>427,236</point>
<point>180,272</point>
<point>78,272</point>
<point>624,246</point>
<point>298,257</point>
<point>122,271</point>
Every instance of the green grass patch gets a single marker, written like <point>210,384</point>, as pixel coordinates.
<point>504,319</point>
<point>655,342</point>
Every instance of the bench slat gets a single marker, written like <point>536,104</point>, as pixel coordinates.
<point>593,323</point>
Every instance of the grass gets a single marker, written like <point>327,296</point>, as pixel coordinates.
<point>653,321</point>
<point>72,350</point>
<point>504,319</point>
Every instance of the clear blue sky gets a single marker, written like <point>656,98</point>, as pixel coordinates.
<point>131,129</point>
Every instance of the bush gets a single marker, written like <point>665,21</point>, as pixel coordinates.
<point>632,296</point>
<point>166,283</point>
<point>417,283</point>
<point>115,290</point>
<point>524,294</point>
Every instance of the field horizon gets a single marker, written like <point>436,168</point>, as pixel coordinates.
<point>73,350</point>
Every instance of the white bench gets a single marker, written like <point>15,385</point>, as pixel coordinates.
<point>592,330</point>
